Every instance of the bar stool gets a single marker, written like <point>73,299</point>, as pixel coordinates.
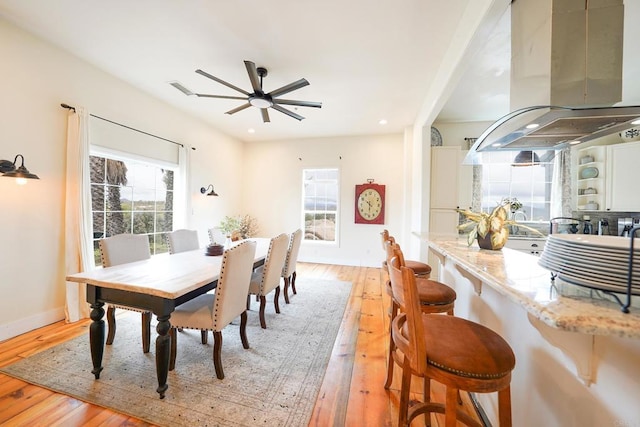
<point>434,297</point>
<point>420,269</point>
<point>460,354</point>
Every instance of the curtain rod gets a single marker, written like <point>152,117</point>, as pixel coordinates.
<point>69,107</point>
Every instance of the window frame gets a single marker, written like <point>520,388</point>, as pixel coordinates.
<point>304,211</point>
<point>530,204</point>
<point>111,154</point>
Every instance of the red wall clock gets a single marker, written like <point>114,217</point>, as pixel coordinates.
<point>369,208</point>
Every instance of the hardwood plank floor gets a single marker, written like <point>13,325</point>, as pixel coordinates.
<point>352,393</point>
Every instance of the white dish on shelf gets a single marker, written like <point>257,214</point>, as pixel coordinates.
<point>589,173</point>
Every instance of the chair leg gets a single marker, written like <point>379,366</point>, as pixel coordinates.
<point>451,407</point>
<point>111,321</point>
<point>146,331</point>
<point>426,396</point>
<point>504,407</point>
<point>263,304</point>
<point>174,348</point>
<point>403,407</point>
<point>204,336</point>
<point>217,354</point>
<point>276,300</point>
<point>287,281</point>
<point>249,302</point>
<point>392,347</point>
<point>243,330</point>
<point>293,283</point>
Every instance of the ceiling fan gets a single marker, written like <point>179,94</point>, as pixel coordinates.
<point>258,98</point>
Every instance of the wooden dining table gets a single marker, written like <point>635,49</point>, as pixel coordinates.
<point>158,284</point>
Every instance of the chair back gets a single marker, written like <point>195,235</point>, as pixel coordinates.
<point>233,285</point>
<point>183,240</point>
<point>407,328</point>
<point>272,269</point>
<point>216,236</point>
<point>123,248</point>
<point>292,253</point>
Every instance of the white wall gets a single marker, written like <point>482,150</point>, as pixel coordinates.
<point>36,78</point>
<point>273,187</point>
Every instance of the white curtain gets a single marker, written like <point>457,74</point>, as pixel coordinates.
<point>182,184</point>
<point>561,185</point>
<point>78,225</point>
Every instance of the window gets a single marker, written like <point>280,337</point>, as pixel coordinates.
<point>131,196</point>
<point>531,185</point>
<point>320,204</point>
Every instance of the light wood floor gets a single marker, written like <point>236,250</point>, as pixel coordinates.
<point>352,393</point>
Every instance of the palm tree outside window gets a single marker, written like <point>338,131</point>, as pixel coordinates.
<point>131,196</point>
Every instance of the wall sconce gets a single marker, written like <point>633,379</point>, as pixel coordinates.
<point>20,173</point>
<point>210,193</point>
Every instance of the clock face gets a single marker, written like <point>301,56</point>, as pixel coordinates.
<point>369,204</point>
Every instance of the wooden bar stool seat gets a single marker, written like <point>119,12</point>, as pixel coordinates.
<point>419,268</point>
<point>460,354</point>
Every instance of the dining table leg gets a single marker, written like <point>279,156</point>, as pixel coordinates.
<point>163,353</point>
<point>96,337</point>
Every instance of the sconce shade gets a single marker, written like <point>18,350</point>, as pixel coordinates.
<point>10,170</point>
<point>526,158</point>
<point>210,193</point>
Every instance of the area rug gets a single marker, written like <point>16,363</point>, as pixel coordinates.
<point>274,383</point>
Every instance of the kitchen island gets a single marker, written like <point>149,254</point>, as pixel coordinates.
<point>577,354</point>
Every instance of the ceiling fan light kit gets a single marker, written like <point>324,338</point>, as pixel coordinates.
<point>258,98</point>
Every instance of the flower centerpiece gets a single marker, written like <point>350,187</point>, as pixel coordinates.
<point>491,229</point>
<point>239,227</point>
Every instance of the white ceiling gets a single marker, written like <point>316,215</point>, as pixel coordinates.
<point>365,60</point>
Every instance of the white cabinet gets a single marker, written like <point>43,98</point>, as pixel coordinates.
<point>451,187</point>
<point>623,177</point>
<point>591,178</point>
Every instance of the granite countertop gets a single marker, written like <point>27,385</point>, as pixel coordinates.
<point>519,277</point>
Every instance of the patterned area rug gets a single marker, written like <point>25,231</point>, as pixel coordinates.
<point>274,383</point>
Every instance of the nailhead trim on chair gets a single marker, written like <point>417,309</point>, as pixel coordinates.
<point>466,374</point>
<point>218,288</point>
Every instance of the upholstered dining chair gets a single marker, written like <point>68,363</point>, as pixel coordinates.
<point>267,277</point>
<point>120,249</point>
<point>289,269</point>
<point>458,353</point>
<point>183,240</point>
<point>213,312</point>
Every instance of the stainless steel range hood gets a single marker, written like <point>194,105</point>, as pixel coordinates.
<point>554,128</point>
<point>566,76</point>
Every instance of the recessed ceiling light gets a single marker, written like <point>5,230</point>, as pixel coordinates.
<point>636,122</point>
<point>251,130</point>
<point>497,144</point>
<point>382,122</point>
<point>574,142</point>
<point>532,126</point>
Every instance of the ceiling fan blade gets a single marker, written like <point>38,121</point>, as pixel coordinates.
<point>298,103</point>
<point>215,79</point>
<point>253,76</point>
<point>287,112</point>
<point>240,108</point>
<point>181,88</point>
<point>204,95</point>
<point>265,115</point>
<point>289,88</point>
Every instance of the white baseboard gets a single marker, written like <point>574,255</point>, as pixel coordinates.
<point>19,327</point>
